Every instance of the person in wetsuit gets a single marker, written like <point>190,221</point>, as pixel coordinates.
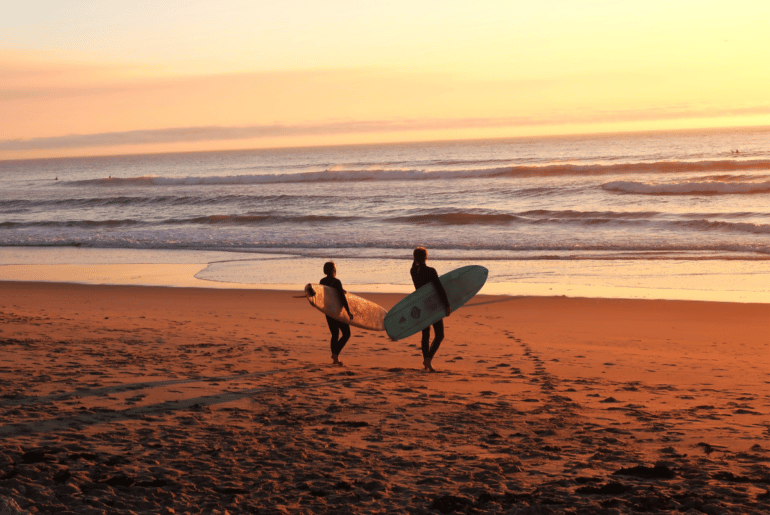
<point>422,274</point>
<point>335,326</point>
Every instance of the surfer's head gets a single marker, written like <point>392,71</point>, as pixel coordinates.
<point>330,268</point>
<point>420,254</point>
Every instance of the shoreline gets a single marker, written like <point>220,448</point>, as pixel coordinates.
<point>188,275</point>
<point>738,282</point>
<point>150,277</point>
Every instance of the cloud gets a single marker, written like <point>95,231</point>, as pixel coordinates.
<point>219,133</point>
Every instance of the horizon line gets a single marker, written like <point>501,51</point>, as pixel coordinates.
<point>352,144</point>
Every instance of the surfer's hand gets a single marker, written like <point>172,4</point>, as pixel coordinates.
<point>351,315</point>
<point>448,311</point>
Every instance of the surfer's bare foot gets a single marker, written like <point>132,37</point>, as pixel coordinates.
<point>427,364</point>
<point>336,360</point>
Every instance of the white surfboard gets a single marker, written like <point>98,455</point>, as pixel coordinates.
<point>366,314</point>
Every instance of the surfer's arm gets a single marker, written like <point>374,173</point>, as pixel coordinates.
<point>441,292</point>
<point>343,298</point>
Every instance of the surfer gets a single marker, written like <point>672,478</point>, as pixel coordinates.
<point>422,274</point>
<point>335,326</point>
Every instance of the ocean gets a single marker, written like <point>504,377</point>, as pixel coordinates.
<point>682,215</point>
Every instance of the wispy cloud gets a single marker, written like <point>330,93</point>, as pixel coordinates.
<point>219,133</point>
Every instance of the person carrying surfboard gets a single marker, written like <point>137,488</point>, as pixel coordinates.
<point>335,326</point>
<point>422,274</point>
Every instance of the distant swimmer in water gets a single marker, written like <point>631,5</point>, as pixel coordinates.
<point>422,274</point>
<point>335,326</point>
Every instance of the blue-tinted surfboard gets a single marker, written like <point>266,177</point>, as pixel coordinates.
<point>424,307</point>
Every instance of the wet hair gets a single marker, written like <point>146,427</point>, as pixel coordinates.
<point>420,254</point>
<point>329,267</point>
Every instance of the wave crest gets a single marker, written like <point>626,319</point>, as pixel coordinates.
<point>457,218</point>
<point>385,174</point>
<point>688,188</point>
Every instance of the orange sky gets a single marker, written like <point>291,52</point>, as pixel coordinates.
<point>83,78</point>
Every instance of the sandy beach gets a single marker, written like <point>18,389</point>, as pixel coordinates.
<point>129,399</point>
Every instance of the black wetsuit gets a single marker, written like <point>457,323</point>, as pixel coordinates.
<point>335,326</point>
<point>422,275</point>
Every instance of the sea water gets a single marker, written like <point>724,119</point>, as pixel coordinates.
<point>655,215</point>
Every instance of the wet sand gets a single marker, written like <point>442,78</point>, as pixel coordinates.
<point>126,399</point>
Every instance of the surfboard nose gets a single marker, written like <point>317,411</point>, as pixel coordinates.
<point>309,291</point>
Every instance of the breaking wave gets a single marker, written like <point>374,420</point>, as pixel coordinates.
<point>669,167</point>
<point>688,188</point>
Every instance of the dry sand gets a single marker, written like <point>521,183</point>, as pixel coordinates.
<point>181,400</point>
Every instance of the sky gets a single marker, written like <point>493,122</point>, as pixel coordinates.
<point>117,77</point>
